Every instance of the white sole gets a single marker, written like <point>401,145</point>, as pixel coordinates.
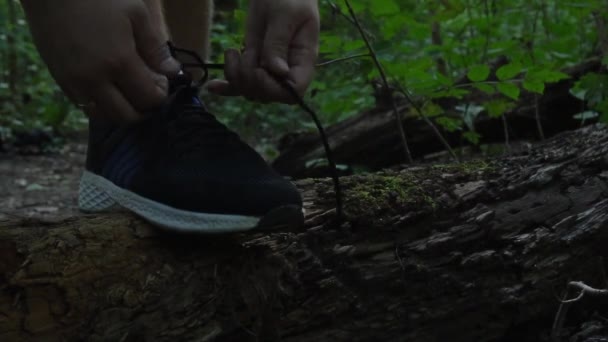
<point>98,194</point>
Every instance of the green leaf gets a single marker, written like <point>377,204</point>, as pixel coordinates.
<point>545,75</point>
<point>383,7</point>
<point>392,25</point>
<point>449,124</point>
<point>431,109</point>
<point>478,73</point>
<point>496,108</point>
<point>470,113</point>
<point>587,115</point>
<point>534,86</point>
<point>472,137</point>
<point>604,118</point>
<point>452,92</point>
<point>330,44</point>
<point>509,90</point>
<point>578,93</point>
<point>509,71</point>
<point>354,45</point>
<point>602,107</point>
<point>486,88</point>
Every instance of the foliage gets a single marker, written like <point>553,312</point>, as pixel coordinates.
<point>426,46</point>
<point>593,89</point>
<point>29,98</point>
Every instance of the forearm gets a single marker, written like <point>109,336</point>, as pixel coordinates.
<point>189,23</point>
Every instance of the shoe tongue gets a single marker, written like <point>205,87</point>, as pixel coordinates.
<point>183,90</point>
<point>181,80</point>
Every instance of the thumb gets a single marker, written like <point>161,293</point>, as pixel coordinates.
<point>275,49</point>
<point>152,45</point>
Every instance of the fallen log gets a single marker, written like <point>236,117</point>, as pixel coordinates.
<point>371,139</point>
<point>473,252</point>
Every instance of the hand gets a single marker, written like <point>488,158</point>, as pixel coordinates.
<point>106,55</point>
<point>281,42</point>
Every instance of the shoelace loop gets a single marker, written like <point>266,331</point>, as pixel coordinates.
<point>202,65</point>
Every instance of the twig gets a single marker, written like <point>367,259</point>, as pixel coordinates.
<point>560,316</point>
<point>530,48</point>
<point>337,60</point>
<point>566,303</point>
<point>586,289</point>
<point>539,124</point>
<point>428,121</point>
<point>506,130</point>
<point>469,84</point>
<point>374,57</point>
<point>337,10</point>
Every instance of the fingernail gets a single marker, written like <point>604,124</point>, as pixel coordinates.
<point>281,65</point>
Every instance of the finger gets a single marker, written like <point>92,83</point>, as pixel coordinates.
<point>303,56</point>
<point>222,88</point>
<point>229,87</point>
<point>247,82</point>
<point>276,45</point>
<point>110,104</point>
<point>272,89</point>
<point>142,87</point>
<point>232,66</point>
<point>151,43</point>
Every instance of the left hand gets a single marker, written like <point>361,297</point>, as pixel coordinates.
<point>282,41</point>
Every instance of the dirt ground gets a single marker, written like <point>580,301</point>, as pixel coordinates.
<point>41,186</point>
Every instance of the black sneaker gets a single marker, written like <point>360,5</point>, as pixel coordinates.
<point>183,170</point>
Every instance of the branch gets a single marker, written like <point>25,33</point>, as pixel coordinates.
<point>374,56</point>
<point>440,136</point>
<point>343,59</point>
<point>566,303</point>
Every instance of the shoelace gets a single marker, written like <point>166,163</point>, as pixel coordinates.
<point>200,64</point>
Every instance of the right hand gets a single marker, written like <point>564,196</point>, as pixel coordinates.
<point>108,56</point>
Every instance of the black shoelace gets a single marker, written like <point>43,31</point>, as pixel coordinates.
<point>205,67</point>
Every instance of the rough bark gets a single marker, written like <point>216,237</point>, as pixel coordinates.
<point>471,252</point>
<point>371,139</point>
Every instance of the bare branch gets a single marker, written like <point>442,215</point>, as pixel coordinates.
<point>343,59</point>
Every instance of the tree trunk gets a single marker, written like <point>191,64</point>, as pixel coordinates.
<point>471,252</point>
<point>371,139</point>
<point>11,46</point>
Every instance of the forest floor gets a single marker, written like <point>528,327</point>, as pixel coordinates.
<point>42,186</point>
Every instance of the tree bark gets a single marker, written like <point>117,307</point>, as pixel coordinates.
<point>371,139</point>
<point>471,252</point>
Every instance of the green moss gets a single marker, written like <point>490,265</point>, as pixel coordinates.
<point>390,193</point>
<point>468,167</point>
<point>369,194</point>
